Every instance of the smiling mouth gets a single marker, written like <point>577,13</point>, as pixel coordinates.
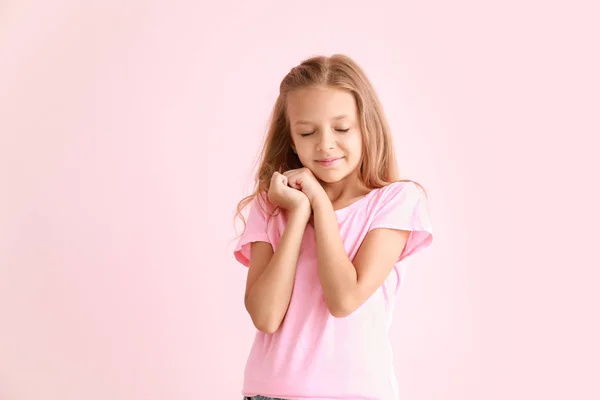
<point>329,161</point>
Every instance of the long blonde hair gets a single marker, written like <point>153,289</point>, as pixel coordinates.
<point>378,167</point>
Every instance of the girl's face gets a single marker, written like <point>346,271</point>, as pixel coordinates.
<point>325,132</point>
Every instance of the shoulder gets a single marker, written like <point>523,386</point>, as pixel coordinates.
<point>400,190</point>
<point>400,199</point>
<point>261,203</point>
<point>259,213</point>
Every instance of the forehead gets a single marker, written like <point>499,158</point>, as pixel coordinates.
<point>319,104</point>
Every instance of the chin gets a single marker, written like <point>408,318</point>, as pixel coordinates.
<point>332,177</point>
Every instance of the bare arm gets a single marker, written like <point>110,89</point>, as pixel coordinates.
<point>347,285</point>
<point>271,275</point>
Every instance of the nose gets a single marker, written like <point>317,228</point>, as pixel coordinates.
<point>326,140</point>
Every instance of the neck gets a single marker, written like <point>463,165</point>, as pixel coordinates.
<point>344,190</point>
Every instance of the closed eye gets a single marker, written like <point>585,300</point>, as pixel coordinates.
<point>310,133</point>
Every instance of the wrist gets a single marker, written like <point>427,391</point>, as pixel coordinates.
<point>302,214</point>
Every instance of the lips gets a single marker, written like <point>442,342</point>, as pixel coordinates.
<point>329,161</point>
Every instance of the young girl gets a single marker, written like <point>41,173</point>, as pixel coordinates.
<point>329,226</point>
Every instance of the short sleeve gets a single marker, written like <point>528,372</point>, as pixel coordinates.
<point>404,207</point>
<point>255,231</point>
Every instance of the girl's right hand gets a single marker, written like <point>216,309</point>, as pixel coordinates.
<point>290,199</point>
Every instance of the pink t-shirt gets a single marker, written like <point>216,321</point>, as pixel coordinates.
<point>314,355</point>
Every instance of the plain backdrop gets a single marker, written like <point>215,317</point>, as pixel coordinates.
<point>129,130</point>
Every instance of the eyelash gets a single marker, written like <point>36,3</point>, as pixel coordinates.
<point>310,133</point>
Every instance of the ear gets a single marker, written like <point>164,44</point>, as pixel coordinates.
<point>294,149</point>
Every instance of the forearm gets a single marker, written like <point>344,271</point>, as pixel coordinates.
<point>336,272</point>
<point>269,298</point>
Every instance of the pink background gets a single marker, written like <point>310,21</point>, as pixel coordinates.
<point>128,132</point>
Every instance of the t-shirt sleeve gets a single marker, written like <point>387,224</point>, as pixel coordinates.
<point>255,230</point>
<point>404,207</point>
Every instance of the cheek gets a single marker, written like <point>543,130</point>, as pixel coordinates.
<point>303,154</point>
<point>301,151</point>
<point>355,145</point>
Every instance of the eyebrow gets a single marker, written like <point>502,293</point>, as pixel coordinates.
<point>333,119</point>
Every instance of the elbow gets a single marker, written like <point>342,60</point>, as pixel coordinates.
<point>340,312</point>
<point>265,323</point>
<point>263,320</point>
<point>342,307</point>
<point>266,327</point>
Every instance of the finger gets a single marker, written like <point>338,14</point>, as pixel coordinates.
<point>289,178</point>
<point>276,180</point>
<point>290,172</point>
<point>294,183</point>
<point>288,175</point>
<point>291,175</point>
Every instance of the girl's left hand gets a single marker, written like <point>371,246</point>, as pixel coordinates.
<point>304,180</point>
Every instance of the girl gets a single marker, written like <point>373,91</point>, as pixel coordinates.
<point>329,226</point>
